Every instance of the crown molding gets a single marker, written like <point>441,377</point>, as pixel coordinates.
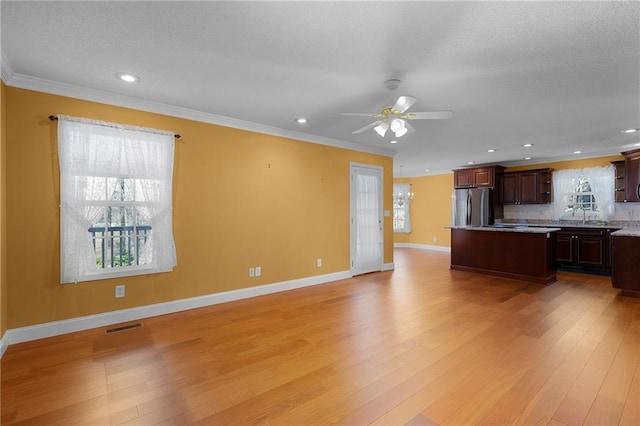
<point>6,72</point>
<point>78,92</point>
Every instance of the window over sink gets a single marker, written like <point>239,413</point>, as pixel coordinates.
<point>584,194</point>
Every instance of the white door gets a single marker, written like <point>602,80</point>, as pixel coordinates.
<point>366,219</point>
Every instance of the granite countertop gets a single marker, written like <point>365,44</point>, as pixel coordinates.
<point>521,229</point>
<point>576,224</point>
<point>627,232</point>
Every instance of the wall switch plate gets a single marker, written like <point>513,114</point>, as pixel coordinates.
<point>119,291</point>
<point>252,272</point>
<point>258,271</point>
<point>319,262</point>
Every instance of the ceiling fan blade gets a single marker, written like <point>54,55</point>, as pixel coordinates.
<point>365,128</point>
<point>403,103</point>
<point>431,115</point>
<point>358,114</point>
<point>409,127</point>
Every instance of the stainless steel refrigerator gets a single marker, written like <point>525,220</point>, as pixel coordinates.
<point>472,207</point>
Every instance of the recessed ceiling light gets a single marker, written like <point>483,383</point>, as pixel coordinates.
<point>129,78</point>
<point>631,130</point>
<point>527,145</point>
<point>393,141</point>
<point>470,162</point>
<point>426,170</point>
<point>301,120</point>
<point>577,152</point>
<point>527,158</point>
<point>636,144</point>
<point>491,150</point>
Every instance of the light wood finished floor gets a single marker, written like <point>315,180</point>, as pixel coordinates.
<point>421,345</point>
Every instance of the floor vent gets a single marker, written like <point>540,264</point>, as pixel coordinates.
<point>123,328</point>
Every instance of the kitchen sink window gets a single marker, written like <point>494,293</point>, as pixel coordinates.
<point>401,200</point>
<point>586,195</point>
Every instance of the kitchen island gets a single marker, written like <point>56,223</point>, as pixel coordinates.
<point>516,252</point>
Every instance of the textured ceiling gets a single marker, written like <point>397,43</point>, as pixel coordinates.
<point>564,76</point>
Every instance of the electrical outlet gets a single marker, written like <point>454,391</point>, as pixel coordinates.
<point>435,238</point>
<point>258,271</point>
<point>319,263</point>
<point>119,291</point>
<point>252,272</point>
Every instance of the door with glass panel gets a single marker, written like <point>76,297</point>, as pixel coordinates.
<point>366,219</point>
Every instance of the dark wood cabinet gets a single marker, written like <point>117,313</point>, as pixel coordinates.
<point>584,249</point>
<point>527,256</point>
<point>527,187</point>
<point>477,177</point>
<point>620,184</point>
<point>632,177</point>
<point>483,177</point>
<point>626,264</point>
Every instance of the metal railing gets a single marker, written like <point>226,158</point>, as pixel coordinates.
<point>117,246</point>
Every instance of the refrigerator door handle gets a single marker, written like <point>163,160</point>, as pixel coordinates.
<point>482,212</point>
<point>468,207</point>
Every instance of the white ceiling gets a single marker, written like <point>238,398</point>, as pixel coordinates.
<point>564,76</point>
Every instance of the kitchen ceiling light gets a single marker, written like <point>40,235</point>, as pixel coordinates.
<point>527,145</point>
<point>491,150</point>
<point>577,152</point>
<point>129,78</point>
<point>469,162</point>
<point>527,158</point>
<point>393,141</point>
<point>631,130</point>
<point>301,120</point>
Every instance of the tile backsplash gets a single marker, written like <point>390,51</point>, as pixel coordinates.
<point>624,212</point>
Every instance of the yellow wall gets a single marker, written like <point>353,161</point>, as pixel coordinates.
<point>241,199</point>
<point>431,208</point>
<point>3,227</point>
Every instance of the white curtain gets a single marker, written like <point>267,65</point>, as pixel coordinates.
<point>368,234</point>
<point>601,180</point>
<point>90,151</point>
<point>401,203</point>
<point>563,187</point>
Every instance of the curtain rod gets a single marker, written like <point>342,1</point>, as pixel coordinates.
<point>55,118</point>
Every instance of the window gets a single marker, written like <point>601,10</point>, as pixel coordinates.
<point>401,200</point>
<point>585,194</point>
<point>115,193</point>
<point>581,200</point>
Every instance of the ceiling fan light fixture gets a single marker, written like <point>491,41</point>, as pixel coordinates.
<point>381,129</point>
<point>398,127</point>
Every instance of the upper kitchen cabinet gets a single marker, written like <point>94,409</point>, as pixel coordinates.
<point>632,177</point>
<point>620,181</point>
<point>527,187</point>
<point>477,177</point>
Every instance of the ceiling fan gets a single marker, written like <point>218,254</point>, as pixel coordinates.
<point>395,117</point>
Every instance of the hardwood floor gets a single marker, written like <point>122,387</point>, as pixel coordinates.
<point>421,345</point>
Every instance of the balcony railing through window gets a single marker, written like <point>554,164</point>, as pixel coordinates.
<point>118,246</point>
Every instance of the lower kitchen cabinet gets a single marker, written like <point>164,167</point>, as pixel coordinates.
<point>584,249</point>
<point>625,273</point>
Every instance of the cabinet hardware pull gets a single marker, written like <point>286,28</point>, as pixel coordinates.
<point>638,190</point>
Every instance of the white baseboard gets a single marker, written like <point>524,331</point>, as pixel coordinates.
<point>40,331</point>
<point>3,344</point>
<point>422,247</point>
<point>388,266</point>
